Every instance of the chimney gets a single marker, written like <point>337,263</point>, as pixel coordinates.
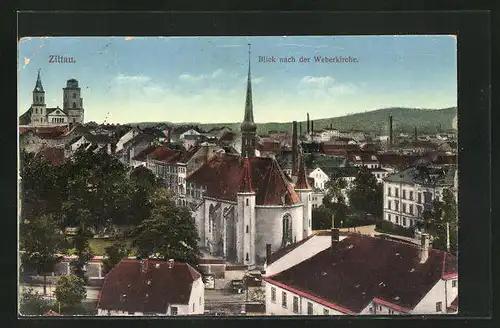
<point>390,131</point>
<point>268,253</point>
<point>331,126</point>
<point>335,236</point>
<point>424,250</point>
<point>312,126</point>
<point>170,263</point>
<point>308,124</point>
<point>294,147</point>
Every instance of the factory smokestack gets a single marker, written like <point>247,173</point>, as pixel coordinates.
<point>312,126</point>
<point>308,124</point>
<point>294,147</point>
<point>390,131</point>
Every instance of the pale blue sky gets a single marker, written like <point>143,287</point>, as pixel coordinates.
<point>203,79</point>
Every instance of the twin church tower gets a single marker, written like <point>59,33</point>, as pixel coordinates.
<point>40,115</point>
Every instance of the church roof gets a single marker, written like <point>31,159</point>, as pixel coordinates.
<point>222,177</point>
<point>38,85</point>
<point>302,181</point>
<point>51,110</point>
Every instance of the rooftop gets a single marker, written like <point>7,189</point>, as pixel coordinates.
<point>148,287</point>
<point>361,268</point>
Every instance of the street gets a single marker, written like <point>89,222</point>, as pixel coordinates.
<point>224,302</point>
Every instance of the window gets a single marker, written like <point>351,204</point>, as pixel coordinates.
<point>295,304</point>
<point>283,299</point>
<point>389,204</point>
<point>404,222</point>
<point>419,198</point>
<point>74,95</point>
<point>391,311</point>
<point>419,210</point>
<point>326,312</point>
<point>397,192</point>
<point>273,294</point>
<point>404,194</point>
<point>247,228</point>
<point>411,195</point>
<point>380,308</point>
<point>411,209</point>
<point>439,306</point>
<point>173,310</point>
<point>454,283</point>
<point>411,222</point>
<point>309,308</point>
<point>247,201</point>
<point>397,219</point>
<point>247,258</point>
<point>389,191</point>
<point>370,309</point>
<point>287,230</point>
<point>74,105</point>
<point>130,312</point>
<point>404,208</point>
<point>388,217</point>
<point>396,205</point>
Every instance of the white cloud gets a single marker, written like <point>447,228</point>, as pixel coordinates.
<point>320,81</point>
<point>195,78</point>
<point>121,78</point>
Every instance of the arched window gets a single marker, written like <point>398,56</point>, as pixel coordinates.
<point>247,201</point>
<point>247,228</point>
<point>287,230</point>
<point>247,258</point>
<point>210,219</point>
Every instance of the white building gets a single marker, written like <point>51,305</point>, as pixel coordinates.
<point>39,115</point>
<point>250,204</point>
<point>333,279</point>
<point>151,288</point>
<point>320,178</point>
<point>408,193</point>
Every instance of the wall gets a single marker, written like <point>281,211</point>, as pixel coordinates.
<point>437,294</point>
<point>310,248</point>
<point>276,308</point>
<point>320,178</point>
<point>196,299</point>
<point>269,226</point>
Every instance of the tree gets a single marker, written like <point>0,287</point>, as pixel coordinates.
<point>70,291</point>
<point>142,187</point>
<point>440,219</point>
<point>83,252</point>
<point>366,194</point>
<point>335,188</point>
<point>41,240</point>
<point>33,303</point>
<point>321,218</point>
<point>170,232</point>
<point>113,255</point>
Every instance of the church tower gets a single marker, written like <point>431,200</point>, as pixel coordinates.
<point>304,190</point>
<point>246,217</point>
<point>72,102</point>
<point>248,126</point>
<point>38,107</point>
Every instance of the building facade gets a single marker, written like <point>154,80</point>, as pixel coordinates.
<point>407,194</point>
<point>39,115</point>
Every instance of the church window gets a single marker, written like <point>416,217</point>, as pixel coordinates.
<point>247,258</point>
<point>247,201</point>
<point>287,230</point>
<point>247,229</point>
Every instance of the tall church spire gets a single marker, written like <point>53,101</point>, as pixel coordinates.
<point>38,86</point>
<point>248,126</point>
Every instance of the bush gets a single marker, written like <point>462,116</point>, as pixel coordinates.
<point>394,229</point>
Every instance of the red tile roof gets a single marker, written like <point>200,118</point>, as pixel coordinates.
<point>302,180</point>
<point>362,268</point>
<point>246,183</point>
<point>222,176</point>
<point>151,290</point>
<point>51,314</point>
<point>143,154</point>
<point>53,132</point>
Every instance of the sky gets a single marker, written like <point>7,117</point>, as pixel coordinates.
<point>203,79</point>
